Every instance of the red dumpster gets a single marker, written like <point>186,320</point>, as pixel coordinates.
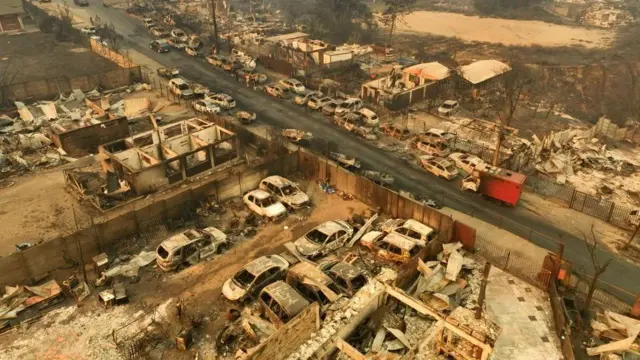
<point>501,184</point>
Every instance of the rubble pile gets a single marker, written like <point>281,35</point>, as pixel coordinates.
<point>607,16</point>
<point>26,141</point>
<point>589,165</point>
<point>452,281</point>
<point>614,336</point>
<point>340,317</point>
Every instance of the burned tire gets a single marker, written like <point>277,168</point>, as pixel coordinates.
<point>222,249</point>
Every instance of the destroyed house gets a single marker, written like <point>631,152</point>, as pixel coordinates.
<point>172,153</point>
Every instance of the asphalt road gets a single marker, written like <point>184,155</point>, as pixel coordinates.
<point>280,114</point>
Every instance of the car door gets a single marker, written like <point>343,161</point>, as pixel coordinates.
<point>206,247</point>
<point>251,203</point>
<point>191,253</point>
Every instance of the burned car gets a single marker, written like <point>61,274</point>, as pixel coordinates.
<point>439,167</point>
<point>246,117</point>
<point>264,204</point>
<point>378,177</point>
<point>312,283</point>
<point>285,191</point>
<point>281,303</point>
<point>324,238</point>
<point>168,73</point>
<point>297,136</point>
<point>396,131</point>
<point>392,247</point>
<point>189,247</point>
<point>348,278</point>
<point>410,228</point>
<point>345,161</point>
<point>254,276</point>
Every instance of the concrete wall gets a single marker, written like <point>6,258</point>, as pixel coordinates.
<point>47,89</point>
<point>83,141</point>
<point>150,179</point>
<point>290,337</point>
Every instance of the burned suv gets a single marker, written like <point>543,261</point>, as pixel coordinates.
<point>189,247</point>
<point>287,192</point>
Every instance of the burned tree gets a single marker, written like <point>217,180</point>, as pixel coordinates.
<point>393,13</point>
<point>598,267</point>
<point>510,90</point>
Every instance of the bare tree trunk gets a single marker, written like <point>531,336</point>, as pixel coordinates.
<point>394,17</point>
<point>496,154</point>
<point>592,289</point>
<point>215,24</point>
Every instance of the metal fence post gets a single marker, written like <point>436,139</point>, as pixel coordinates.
<point>506,265</point>
<point>613,205</point>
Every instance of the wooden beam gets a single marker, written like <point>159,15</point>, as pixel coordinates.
<point>409,301</point>
<point>486,349</point>
<point>349,350</point>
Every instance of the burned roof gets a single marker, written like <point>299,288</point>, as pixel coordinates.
<point>260,194</point>
<point>345,270</point>
<point>417,226</point>
<point>432,71</point>
<point>330,227</point>
<point>287,297</point>
<point>260,264</point>
<point>483,70</point>
<point>277,180</point>
<point>399,241</point>
<point>308,270</point>
<point>181,239</point>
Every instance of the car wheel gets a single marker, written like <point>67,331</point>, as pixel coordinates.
<point>221,249</point>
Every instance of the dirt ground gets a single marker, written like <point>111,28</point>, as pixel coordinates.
<point>36,208</point>
<point>84,332</point>
<point>504,31</point>
<point>24,57</point>
<point>578,223</point>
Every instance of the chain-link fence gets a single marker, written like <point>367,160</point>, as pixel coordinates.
<point>513,262</point>
<point>621,215</point>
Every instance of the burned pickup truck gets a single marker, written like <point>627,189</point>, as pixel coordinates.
<point>189,247</point>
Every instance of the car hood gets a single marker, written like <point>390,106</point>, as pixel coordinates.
<point>232,291</point>
<point>274,210</point>
<point>298,198</point>
<point>306,247</point>
<point>370,236</point>
<point>187,92</point>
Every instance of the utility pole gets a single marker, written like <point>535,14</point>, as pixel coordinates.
<point>215,24</point>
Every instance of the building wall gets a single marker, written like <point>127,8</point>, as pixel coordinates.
<point>48,88</point>
<point>83,141</point>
